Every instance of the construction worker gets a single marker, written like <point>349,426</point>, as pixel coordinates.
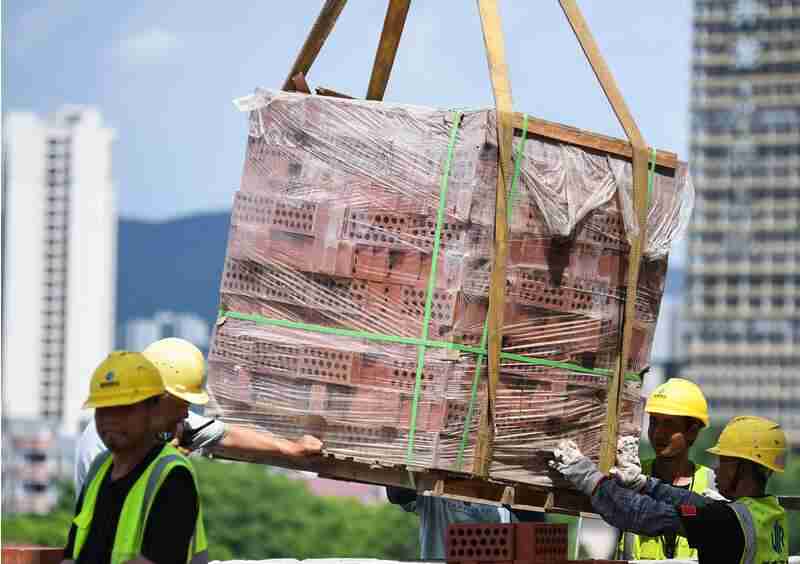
<point>677,412</point>
<point>183,368</point>
<point>140,502</point>
<point>746,526</point>
<point>437,513</point>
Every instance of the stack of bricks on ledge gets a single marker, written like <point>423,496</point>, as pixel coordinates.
<point>518,543</point>
<point>334,226</point>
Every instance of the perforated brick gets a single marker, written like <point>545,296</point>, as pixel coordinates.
<point>604,228</point>
<point>540,542</point>
<point>377,227</point>
<point>400,375</point>
<point>422,231</point>
<point>480,543</point>
<point>328,365</point>
<point>371,263</point>
<point>291,216</point>
<point>430,413</point>
<point>534,287</point>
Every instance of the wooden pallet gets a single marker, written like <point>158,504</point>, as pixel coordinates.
<point>440,483</point>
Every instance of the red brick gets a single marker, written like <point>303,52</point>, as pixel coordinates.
<point>484,542</point>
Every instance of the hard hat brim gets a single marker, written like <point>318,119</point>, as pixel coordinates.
<point>117,400</point>
<point>195,398</point>
<point>717,451</point>
<point>677,413</point>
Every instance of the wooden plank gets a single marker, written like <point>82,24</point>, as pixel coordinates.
<point>565,134</point>
<point>300,84</point>
<point>444,484</point>
<point>587,139</point>
<point>316,39</point>
<point>501,88</point>
<point>332,93</point>
<point>393,26</point>
<point>603,73</point>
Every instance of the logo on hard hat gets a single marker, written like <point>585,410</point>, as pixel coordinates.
<point>109,380</point>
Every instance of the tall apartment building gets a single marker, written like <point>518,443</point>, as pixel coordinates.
<point>59,247</point>
<point>743,302</point>
<point>139,333</point>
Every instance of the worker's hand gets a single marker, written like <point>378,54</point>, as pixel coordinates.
<point>183,450</point>
<point>306,446</point>
<point>570,462</point>
<point>715,495</point>
<point>628,471</point>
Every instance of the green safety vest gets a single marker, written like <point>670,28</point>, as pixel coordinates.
<point>133,517</point>
<point>642,547</point>
<point>763,522</point>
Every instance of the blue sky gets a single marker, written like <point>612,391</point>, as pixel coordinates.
<point>164,74</point>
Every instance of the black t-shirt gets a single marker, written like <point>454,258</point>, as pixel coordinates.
<point>170,523</point>
<point>714,530</point>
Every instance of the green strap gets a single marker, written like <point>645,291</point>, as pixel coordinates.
<point>517,166</point>
<point>380,337</point>
<point>431,284</point>
<point>368,335</point>
<point>485,335</point>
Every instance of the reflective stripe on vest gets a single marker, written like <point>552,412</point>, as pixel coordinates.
<point>642,547</point>
<point>763,523</point>
<point>136,508</point>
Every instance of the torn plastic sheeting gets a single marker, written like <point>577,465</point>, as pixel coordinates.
<point>564,181</point>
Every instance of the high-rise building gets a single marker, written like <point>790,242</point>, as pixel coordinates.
<point>139,333</point>
<point>743,302</point>
<point>35,459</point>
<point>59,247</point>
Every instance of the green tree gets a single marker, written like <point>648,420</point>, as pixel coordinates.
<point>251,513</point>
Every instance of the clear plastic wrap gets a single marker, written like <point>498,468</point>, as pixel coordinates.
<point>330,252</point>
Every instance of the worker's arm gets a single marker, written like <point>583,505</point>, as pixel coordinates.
<point>250,441</point>
<point>635,512</point>
<point>203,432</point>
<point>666,493</point>
<point>620,506</point>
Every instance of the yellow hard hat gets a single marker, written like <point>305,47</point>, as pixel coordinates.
<point>124,378</point>
<point>183,367</point>
<point>753,438</point>
<point>677,396</point>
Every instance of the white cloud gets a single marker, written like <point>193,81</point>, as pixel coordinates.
<point>148,46</point>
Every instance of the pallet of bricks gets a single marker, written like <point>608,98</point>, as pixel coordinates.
<point>354,302</point>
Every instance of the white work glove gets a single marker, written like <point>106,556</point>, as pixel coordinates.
<point>628,471</point>
<point>715,495</point>
<point>575,467</point>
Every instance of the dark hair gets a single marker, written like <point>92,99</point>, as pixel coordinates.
<point>761,474</point>
<point>152,401</point>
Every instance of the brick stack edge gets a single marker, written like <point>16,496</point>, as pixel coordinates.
<point>513,543</point>
<point>333,225</point>
<point>31,555</point>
